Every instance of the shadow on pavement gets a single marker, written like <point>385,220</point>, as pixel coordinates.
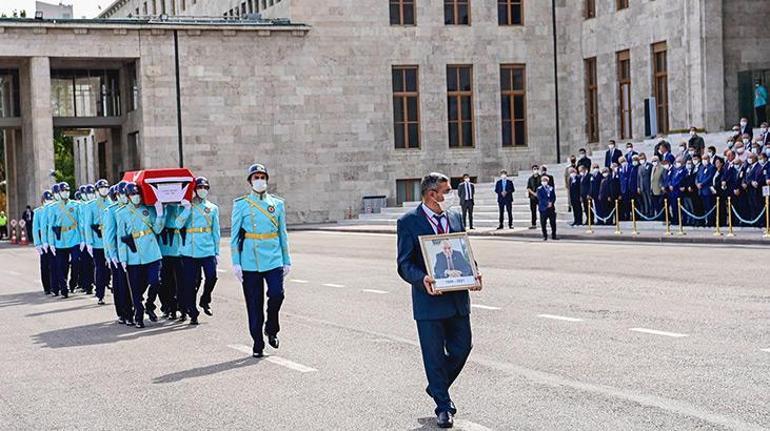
<point>65,310</point>
<point>102,333</point>
<point>206,371</point>
<point>26,298</point>
<point>427,423</point>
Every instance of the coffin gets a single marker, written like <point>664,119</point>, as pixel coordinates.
<point>169,185</point>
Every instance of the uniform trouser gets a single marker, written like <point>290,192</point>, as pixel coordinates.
<point>171,278</point>
<point>45,270</point>
<point>445,346</point>
<point>121,293</point>
<point>548,215</point>
<point>101,275</point>
<point>756,203</point>
<point>507,206</point>
<point>86,269</point>
<point>66,264</point>
<point>192,267</point>
<point>708,202</point>
<point>254,293</point>
<point>467,213</point>
<point>577,211</point>
<point>533,210</point>
<point>140,278</point>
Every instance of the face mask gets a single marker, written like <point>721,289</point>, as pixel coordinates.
<point>103,192</point>
<point>692,133</point>
<point>467,180</point>
<point>628,150</point>
<point>635,163</point>
<point>544,183</point>
<point>202,193</point>
<point>730,144</point>
<point>447,203</point>
<point>736,166</point>
<point>743,123</point>
<point>91,196</point>
<point>611,147</point>
<point>535,172</point>
<point>654,163</point>
<point>692,153</point>
<point>706,161</point>
<point>503,176</point>
<point>682,149</point>
<point>595,171</point>
<point>762,161</point>
<point>767,151</point>
<point>605,175</point>
<point>259,186</point>
<point>745,141</point>
<point>740,150</point>
<point>755,150</point>
<point>64,194</point>
<point>136,199</point>
<point>678,165</point>
<point>710,154</point>
<point>582,156</point>
<point>573,175</point>
<point>689,166</point>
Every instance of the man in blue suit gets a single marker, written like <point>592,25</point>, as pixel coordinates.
<point>443,318</point>
<point>546,204</point>
<point>451,260</point>
<point>504,189</point>
<point>703,181</point>
<point>612,155</point>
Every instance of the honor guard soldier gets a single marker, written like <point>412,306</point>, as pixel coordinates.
<point>260,253</point>
<point>92,220</point>
<point>171,274</point>
<point>138,249</point>
<point>120,291</point>
<point>63,229</point>
<point>86,264</point>
<point>39,239</point>
<point>199,225</point>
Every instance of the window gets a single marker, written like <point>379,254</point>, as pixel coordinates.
<point>509,12</point>
<point>251,6</point>
<point>407,191</point>
<point>590,9</point>
<point>85,93</point>
<point>624,93</point>
<point>162,7</point>
<point>460,105</point>
<point>146,12</point>
<point>136,12</point>
<point>9,93</point>
<point>660,84</point>
<point>133,102</point>
<point>621,4</point>
<point>402,12</point>
<point>406,107</point>
<point>457,12</point>
<point>243,8</point>
<point>513,107</point>
<point>592,100</point>
<point>154,7</point>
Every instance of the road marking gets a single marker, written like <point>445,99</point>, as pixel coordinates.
<point>294,280</point>
<point>12,272</point>
<point>276,360</point>
<point>484,307</point>
<point>379,292</point>
<point>765,350</point>
<point>555,317</point>
<point>654,332</point>
<point>332,285</point>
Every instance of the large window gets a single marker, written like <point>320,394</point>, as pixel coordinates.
<point>407,191</point>
<point>624,93</point>
<point>510,12</point>
<point>592,100</point>
<point>402,12</point>
<point>660,84</point>
<point>406,107</point>
<point>621,4</point>
<point>457,12</point>
<point>85,93</point>
<point>513,86</point>
<point>589,9</point>
<point>9,93</point>
<point>460,105</point>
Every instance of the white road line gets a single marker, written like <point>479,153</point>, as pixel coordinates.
<point>379,292</point>
<point>562,318</point>
<point>332,285</point>
<point>765,350</point>
<point>12,272</point>
<point>276,360</point>
<point>294,280</point>
<point>654,332</point>
<point>484,307</point>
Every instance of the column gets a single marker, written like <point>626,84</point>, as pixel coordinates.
<point>37,128</point>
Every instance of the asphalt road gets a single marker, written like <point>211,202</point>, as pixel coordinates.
<point>567,336</point>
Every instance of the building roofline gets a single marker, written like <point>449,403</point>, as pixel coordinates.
<point>178,23</point>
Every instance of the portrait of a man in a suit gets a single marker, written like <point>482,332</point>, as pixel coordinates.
<point>451,263</point>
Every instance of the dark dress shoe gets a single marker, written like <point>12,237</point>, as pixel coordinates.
<point>193,321</point>
<point>499,227</point>
<point>182,317</point>
<point>207,310</point>
<point>140,324</point>
<point>427,391</point>
<point>153,317</point>
<point>48,293</point>
<point>555,238</point>
<point>100,302</point>
<point>129,323</point>
<point>445,420</point>
<point>171,316</point>
<point>55,294</point>
<point>273,341</point>
<point>258,354</point>
<point>121,321</point>
<point>65,295</point>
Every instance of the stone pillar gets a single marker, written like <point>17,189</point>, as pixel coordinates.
<point>37,128</point>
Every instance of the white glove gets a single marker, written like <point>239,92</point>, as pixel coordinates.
<point>90,250</point>
<point>45,247</point>
<point>125,267</point>
<point>82,246</point>
<point>39,250</point>
<point>159,208</point>
<point>218,262</point>
<point>53,250</point>
<point>186,204</point>
<point>238,272</point>
<point>115,262</point>
<point>286,270</point>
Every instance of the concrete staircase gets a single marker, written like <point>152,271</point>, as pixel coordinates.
<point>485,212</point>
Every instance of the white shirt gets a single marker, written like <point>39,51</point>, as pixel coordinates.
<point>433,222</point>
<point>468,191</point>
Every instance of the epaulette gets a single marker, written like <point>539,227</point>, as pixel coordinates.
<point>240,198</point>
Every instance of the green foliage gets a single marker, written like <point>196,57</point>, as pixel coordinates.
<point>64,158</point>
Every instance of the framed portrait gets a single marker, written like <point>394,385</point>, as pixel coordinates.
<point>449,260</point>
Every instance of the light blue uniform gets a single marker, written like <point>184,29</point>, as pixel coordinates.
<point>173,240</point>
<point>110,230</point>
<point>201,221</point>
<point>92,215</point>
<point>39,226</point>
<point>144,225</point>
<point>65,215</point>
<point>266,245</point>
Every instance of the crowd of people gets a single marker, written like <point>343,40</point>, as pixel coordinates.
<point>696,182</point>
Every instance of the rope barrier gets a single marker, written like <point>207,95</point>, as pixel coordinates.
<point>602,219</point>
<point>704,217</point>
<point>653,218</point>
<point>752,222</point>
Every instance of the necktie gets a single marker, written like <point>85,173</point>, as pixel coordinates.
<point>439,227</point>
<point>468,194</point>
<point>450,263</point>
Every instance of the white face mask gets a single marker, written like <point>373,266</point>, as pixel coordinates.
<point>692,133</point>
<point>136,199</point>
<point>611,147</point>
<point>595,171</point>
<point>582,156</point>
<point>654,163</point>
<point>467,180</point>
<point>65,194</point>
<point>104,191</point>
<point>689,166</point>
<point>710,154</point>
<point>743,123</point>
<point>535,172</point>
<point>745,141</point>
<point>544,183</point>
<point>605,175</point>
<point>682,149</point>
<point>202,193</point>
<point>678,165</point>
<point>573,175</point>
<point>91,196</point>
<point>740,150</point>
<point>259,186</point>
<point>706,161</point>
<point>503,176</point>
<point>122,199</point>
<point>447,203</point>
<point>635,163</point>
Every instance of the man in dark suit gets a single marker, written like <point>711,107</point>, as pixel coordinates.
<point>443,318</point>
<point>612,155</point>
<point>576,204</point>
<point>451,260</point>
<point>546,203</point>
<point>585,192</point>
<point>532,184</point>
<point>696,141</point>
<point>466,191</point>
<point>583,160</point>
<point>630,152</point>
<point>745,128</point>
<point>504,189</point>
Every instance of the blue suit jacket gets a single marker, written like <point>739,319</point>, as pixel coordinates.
<point>411,268</point>
<point>545,196</point>
<point>611,157</point>
<point>508,188</point>
<point>459,262</point>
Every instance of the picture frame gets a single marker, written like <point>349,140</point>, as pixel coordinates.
<point>449,261</point>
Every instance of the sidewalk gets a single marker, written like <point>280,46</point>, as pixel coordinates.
<point>743,236</point>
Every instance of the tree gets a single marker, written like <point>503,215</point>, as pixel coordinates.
<point>64,158</point>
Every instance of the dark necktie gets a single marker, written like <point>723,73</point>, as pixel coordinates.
<point>439,227</point>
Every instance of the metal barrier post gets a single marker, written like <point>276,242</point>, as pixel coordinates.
<point>633,218</point>
<point>679,207</point>
<point>668,221</point>
<point>590,205</point>
<point>718,231</point>
<point>767,217</point>
<point>730,216</point>
<point>617,218</point>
